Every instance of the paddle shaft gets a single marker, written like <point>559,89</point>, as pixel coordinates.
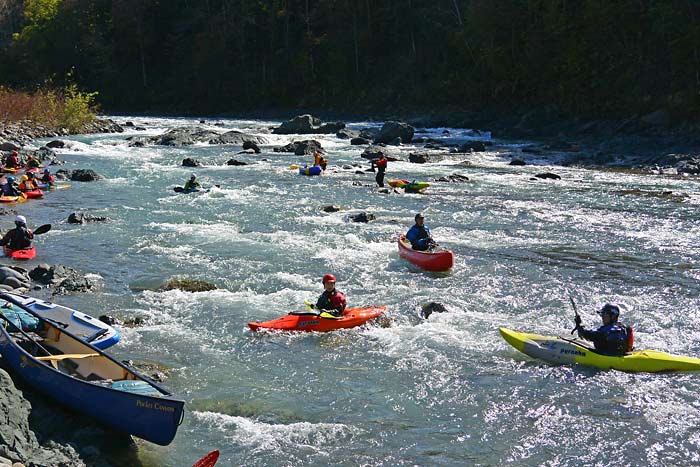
<point>573,305</point>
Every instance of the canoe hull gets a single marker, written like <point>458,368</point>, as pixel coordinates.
<point>438,261</point>
<point>311,322</point>
<point>29,253</point>
<point>559,351</point>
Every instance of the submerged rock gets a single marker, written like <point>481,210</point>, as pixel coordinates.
<point>361,217</point>
<point>429,308</point>
<point>188,285</point>
<point>548,176</point>
<point>330,208</point>
<point>81,217</point>
<point>190,162</point>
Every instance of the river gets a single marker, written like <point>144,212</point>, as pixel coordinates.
<point>446,391</point>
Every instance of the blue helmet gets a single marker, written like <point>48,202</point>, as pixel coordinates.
<point>10,178</point>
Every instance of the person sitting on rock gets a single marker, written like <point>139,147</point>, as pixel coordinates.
<point>419,235</point>
<point>192,183</point>
<point>47,177</point>
<point>12,160</point>
<point>19,238</point>
<point>320,160</point>
<point>32,163</point>
<point>9,188</point>
<point>28,183</point>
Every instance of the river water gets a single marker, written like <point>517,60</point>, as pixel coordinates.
<point>442,391</point>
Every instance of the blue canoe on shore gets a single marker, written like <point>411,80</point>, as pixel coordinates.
<point>83,326</point>
<point>84,378</point>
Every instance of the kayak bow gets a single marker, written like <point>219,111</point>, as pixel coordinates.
<point>310,321</point>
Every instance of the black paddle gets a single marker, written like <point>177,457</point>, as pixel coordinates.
<point>578,317</point>
<point>42,229</point>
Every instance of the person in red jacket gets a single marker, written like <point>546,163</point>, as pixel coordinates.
<point>331,300</point>
<point>12,161</point>
<point>381,169</point>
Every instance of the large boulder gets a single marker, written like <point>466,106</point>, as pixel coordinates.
<point>374,152</point>
<point>235,162</point>
<point>301,148</point>
<point>65,279</point>
<point>359,141</point>
<point>347,134</point>
<point>301,124</point>
<point>423,157</point>
<point>251,145</point>
<point>57,143</point>
<point>474,146</point>
<point>190,162</point>
<point>237,137</point>
<point>82,217</point>
<point>184,136</point>
<point>78,175</point>
<point>188,285</point>
<point>392,130</point>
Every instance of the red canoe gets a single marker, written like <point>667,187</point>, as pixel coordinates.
<point>29,253</point>
<point>312,322</point>
<point>209,460</point>
<point>437,261</point>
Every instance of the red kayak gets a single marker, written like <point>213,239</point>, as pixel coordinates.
<point>437,261</point>
<point>310,321</point>
<point>34,193</point>
<point>32,170</point>
<point>209,460</point>
<point>29,253</point>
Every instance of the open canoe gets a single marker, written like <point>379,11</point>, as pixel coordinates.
<point>310,321</point>
<point>86,379</point>
<point>561,351</point>
<point>81,325</point>
<point>28,253</point>
<point>437,261</point>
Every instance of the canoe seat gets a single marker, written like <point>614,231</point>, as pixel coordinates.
<point>141,388</point>
<point>72,356</point>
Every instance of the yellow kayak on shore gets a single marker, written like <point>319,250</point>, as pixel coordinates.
<point>562,351</point>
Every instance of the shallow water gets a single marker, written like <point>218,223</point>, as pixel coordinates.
<point>442,391</point>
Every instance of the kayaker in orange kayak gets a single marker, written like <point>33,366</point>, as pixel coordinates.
<point>331,300</point>
<point>28,183</point>
<point>19,238</point>
<point>419,235</point>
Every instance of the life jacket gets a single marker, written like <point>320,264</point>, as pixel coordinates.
<point>630,338</point>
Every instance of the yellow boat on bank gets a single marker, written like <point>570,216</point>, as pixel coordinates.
<point>562,351</point>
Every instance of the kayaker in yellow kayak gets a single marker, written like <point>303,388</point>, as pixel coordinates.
<point>20,237</point>
<point>612,338</point>
<point>32,163</point>
<point>419,235</point>
<point>331,300</point>
<point>192,183</point>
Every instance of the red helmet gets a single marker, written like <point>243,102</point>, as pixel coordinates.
<point>328,278</point>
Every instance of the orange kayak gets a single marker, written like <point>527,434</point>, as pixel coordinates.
<point>309,321</point>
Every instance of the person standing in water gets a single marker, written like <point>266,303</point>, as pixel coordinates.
<point>380,164</point>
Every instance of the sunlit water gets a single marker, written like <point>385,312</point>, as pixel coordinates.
<point>442,391</point>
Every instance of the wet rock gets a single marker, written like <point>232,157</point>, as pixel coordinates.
<point>12,282</point>
<point>307,124</point>
<point>78,175</point>
<point>134,321</point>
<point>184,136</point>
<point>8,146</point>
<point>251,145</point>
<point>375,152</point>
<point>237,137</point>
<point>301,148</point>
<point>392,130</point>
<point>423,157</point>
<point>188,285</point>
<point>361,217</point>
<point>347,134</point>
<point>39,271</point>
<point>548,176</point>
<point>14,272</point>
<point>474,146</point>
<point>235,162</point>
<point>107,319</point>
<point>429,308</point>
<point>57,143</point>
<point>517,162</point>
<point>454,178</point>
<point>81,217</point>
<point>330,208</point>
<point>359,141</point>
<point>190,162</point>
<point>156,371</point>
<point>65,279</point>
<point>395,142</point>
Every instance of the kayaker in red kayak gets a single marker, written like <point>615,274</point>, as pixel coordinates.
<point>381,169</point>
<point>612,338</point>
<point>331,300</point>
<point>19,238</point>
<point>28,183</point>
<point>419,235</point>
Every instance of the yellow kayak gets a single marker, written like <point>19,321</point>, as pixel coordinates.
<point>561,351</point>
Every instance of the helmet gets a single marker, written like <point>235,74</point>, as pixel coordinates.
<point>30,156</point>
<point>193,176</point>
<point>419,216</point>
<point>47,170</point>
<point>24,178</point>
<point>10,178</point>
<point>20,220</point>
<point>610,309</point>
<point>328,278</point>
<point>15,153</point>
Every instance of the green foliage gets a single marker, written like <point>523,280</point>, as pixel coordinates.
<point>588,57</point>
<point>77,109</point>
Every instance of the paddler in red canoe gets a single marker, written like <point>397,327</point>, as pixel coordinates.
<point>419,235</point>
<point>19,238</point>
<point>331,300</point>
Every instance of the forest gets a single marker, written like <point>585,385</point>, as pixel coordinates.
<point>593,58</point>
